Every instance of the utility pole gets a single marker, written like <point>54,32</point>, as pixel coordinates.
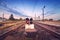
<point>43,13</point>
<point>38,17</point>
<point>35,16</point>
<point>3,17</point>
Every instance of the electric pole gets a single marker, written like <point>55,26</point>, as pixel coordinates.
<point>3,17</point>
<point>38,17</point>
<point>35,16</point>
<point>43,13</point>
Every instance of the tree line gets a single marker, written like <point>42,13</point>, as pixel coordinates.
<point>12,18</point>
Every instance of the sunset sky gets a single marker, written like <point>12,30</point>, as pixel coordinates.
<point>28,8</point>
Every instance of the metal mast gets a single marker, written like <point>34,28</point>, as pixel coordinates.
<point>43,13</point>
<point>3,17</point>
<point>35,16</point>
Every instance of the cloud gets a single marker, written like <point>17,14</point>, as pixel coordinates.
<point>7,14</point>
<point>54,16</point>
<point>12,10</point>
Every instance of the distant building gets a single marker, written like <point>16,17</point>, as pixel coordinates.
<point>2,19</point>
<point>38,18</point>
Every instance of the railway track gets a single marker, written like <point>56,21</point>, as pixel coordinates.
<point>6,31</point>
<point>52,32</point>
<point>8,24</point>
<point>56,28</point>
<point>18,34</point>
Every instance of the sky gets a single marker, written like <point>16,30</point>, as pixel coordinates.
<point>28,8</point>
